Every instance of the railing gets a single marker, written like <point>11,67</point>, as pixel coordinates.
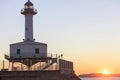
<point>50,55</point>
<point>54,58</point>
<point>27,10</point>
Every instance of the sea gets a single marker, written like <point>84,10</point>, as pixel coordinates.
<point>102,78</point>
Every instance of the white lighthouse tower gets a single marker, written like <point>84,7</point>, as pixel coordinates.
<point>29,11</point>
<point>28,49</point>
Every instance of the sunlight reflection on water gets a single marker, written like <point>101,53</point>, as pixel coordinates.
<point>102,78</point>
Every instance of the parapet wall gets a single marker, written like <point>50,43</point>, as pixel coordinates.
<point>66,67</point>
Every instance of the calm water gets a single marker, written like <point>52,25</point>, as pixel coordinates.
<point>102,78</point>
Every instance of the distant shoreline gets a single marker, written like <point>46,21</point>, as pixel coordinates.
<point>99,75</point>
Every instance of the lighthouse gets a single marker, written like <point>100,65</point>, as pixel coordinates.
<point>28,12</point>
<point>28,60</point>
<point>29,48</point>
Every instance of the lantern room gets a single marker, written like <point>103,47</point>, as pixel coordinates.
<point>28,8</point>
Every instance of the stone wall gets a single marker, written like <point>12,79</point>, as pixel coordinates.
<point>36,75</point>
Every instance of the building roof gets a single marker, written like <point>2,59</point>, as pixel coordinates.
<point>28,3</point>
<point>29,43</point>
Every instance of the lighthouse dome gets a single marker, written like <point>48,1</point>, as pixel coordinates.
<point>28,3</point>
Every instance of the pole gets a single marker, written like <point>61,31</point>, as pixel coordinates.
<point>12,65</point>
<point>3,65</point>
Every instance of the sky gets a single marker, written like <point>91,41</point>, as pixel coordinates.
<point>86,32</point>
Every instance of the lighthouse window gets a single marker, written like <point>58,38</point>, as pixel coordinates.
<point>18,51</point>
<point>26,6</point>
<point>31,6</point>
<point>36,50</point>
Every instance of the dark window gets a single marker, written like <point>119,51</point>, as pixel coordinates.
<point>18,51</point>
<point>36,50</point>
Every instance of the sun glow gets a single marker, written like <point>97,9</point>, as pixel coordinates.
<point>105,72</point>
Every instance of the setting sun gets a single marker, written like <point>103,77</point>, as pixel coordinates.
<point>105,72</point>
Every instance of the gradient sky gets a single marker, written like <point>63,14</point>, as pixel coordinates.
<point>86,32</point>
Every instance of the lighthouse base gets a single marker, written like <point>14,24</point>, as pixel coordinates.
<point>37,75</point>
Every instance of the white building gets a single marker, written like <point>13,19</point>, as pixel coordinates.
<point>28,48</point>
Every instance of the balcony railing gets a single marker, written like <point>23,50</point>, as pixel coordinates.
<point>29,10</point>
